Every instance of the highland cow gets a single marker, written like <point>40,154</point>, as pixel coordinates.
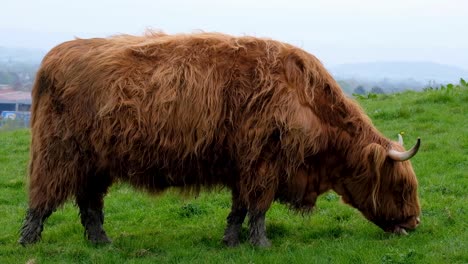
<point>257,116</point>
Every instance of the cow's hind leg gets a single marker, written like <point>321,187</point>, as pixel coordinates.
<point>33,225</point>
<point>90,200</point>
<point>48,189</point>
<point>45,198</point>
<point>234,220</point>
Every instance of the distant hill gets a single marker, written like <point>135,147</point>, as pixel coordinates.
<point>21,55</point>
<point>423,72</point>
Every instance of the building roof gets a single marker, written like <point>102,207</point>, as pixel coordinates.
<point>11,96</point>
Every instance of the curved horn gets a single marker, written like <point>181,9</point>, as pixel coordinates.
<point>400,139</point>
<point>406,155</point>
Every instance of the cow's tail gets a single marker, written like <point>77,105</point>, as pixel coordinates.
<point>41,85</point>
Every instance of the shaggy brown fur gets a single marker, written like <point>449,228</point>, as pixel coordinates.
<point>259,116</point>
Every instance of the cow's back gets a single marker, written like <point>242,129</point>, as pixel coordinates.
<point>170,102</point>
<point>124,105</point>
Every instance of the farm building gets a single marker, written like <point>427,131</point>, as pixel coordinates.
<point>12,100</point>
<point>14,107</point>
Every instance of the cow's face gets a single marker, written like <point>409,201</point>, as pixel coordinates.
<point>386,193</point>
<point>395,204</point>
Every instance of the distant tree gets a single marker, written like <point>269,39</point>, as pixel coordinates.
<point>7,77</point>
<point>359,90</point>
<point>17,83</point>
<point>345,86</point>
<point>377,90</point>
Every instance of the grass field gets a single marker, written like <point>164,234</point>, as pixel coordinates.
<point>173,229</point>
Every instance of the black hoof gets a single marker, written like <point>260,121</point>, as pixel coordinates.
<point>260,242</point>
<point>99,238</point>
<point>231,242</point>
<point>28,240</point>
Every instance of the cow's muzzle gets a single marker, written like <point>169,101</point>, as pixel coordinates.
<point>408,225</point>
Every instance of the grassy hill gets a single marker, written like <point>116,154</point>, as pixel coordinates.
<point>172,229</point>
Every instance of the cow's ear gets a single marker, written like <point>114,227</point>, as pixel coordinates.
<point>294,69</point>
<point>375,154</point>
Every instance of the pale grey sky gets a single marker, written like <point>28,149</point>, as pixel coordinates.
<point>336,31</point>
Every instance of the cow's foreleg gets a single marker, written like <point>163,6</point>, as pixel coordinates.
<point>90,200</point>
<point>234,220</point>
<point>261,193</point>
<point>257,229</point>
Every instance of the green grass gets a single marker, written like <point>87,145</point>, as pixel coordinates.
<point>173,229</point>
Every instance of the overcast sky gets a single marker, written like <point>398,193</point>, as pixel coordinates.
<point>336,31</point>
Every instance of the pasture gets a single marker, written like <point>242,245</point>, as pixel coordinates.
<point>175,229</point>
